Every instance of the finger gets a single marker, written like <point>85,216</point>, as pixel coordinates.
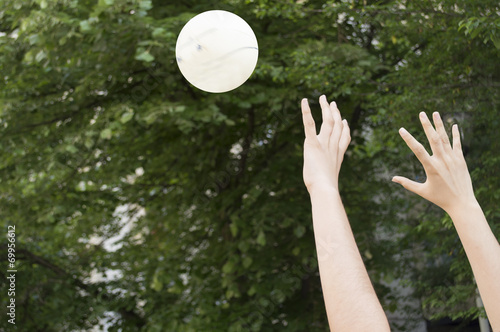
<point>457,144</point>
<point>328,121</point>
<point>432,135</point>
<point>408,184</point>
<point>441,131</point>
<point>338,126</point>
<point>345,139</point>
<point>309,125</point>
<point>417,148</point>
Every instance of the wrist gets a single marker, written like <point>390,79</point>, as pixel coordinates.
<point>322,191</point>
<point>464,208</point>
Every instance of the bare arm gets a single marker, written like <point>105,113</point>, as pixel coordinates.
<point>449,186</point>
<point>350,300</point>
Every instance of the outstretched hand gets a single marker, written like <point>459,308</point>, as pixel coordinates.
<point>448,183</point>
<point>323,153</point>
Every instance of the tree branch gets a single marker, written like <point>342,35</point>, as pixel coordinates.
<point>246,144</point>
<point>61,273</point>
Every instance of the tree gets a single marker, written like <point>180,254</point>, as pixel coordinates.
<point>99,129</point>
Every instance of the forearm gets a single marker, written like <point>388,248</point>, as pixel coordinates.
<point>483,252</point>
<point>350,300</point>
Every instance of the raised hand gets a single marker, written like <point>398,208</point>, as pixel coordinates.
<point>449,186</point>
<point>323,153</point>
<point>350,300</point>
<point>448,182</point>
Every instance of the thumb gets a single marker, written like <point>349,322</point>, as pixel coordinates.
<point>408,184</point>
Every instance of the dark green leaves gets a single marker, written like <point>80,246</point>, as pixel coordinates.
<point>103,141</point>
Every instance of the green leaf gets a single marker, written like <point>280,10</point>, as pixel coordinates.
<point>145,4</point>
<point>244,104</point>
<point>151,117</point>
<point>495,40</point>
<point>40,56</point>
<point>247,261</point>
<point>158,32</point>
<point>89,143</point>
<point>85,26</point>
<point>229,293</point>
<point>145,56</point>
<point>234,229</point>
<point>106,133</point>
<point>156,284</point>
<point>175,289</point>
<point>127,116</point>
<point>228,267</point>
<point>71,148</point>
<point>252,290</point>
<point>475,33</point>
<point>33,39</point>
<point>261,238</point>
<point>29,57</point>
<point>243,245</point>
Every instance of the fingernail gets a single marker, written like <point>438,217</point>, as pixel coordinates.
<point>323,97</point>
<point>403,131</point>
<point>423,115</point>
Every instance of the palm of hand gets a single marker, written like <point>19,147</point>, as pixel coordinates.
<point>448,181</point>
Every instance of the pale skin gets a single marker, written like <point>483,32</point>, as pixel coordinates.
<point>449,186</point>
<point>350,300</point>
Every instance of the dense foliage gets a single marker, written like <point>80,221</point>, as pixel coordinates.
<point>192,204</point>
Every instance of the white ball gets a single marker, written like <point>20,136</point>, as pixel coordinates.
<point>217,51</point>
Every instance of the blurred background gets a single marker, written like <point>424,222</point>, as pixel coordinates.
<point>144,204</point>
